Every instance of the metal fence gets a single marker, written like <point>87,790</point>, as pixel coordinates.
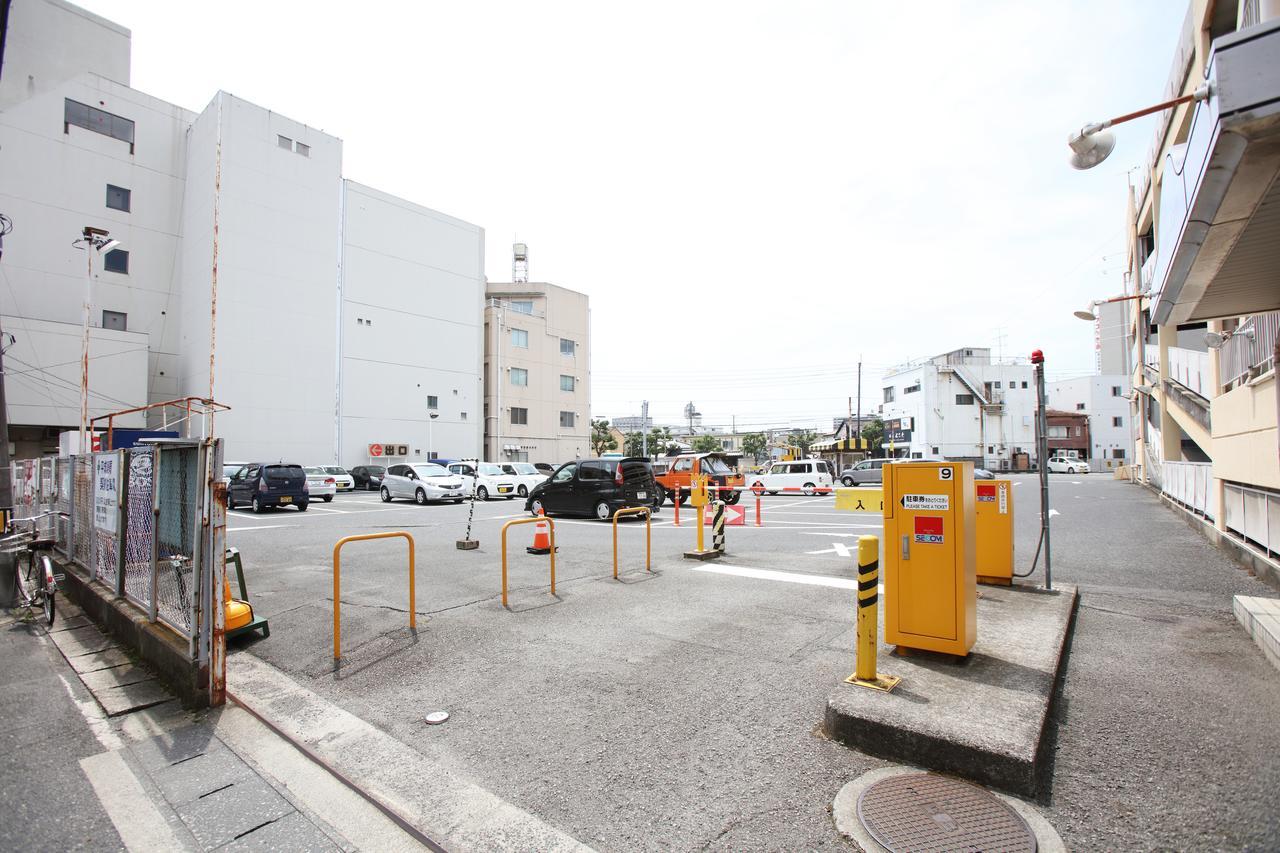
<point>1250,350</point>
<point>1191,484</point>
<point>1254,515</point>
<point>35,492</point>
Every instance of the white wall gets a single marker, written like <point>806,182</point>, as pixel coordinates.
<point>412,300</point>
<point>35,63</point>
<point>1102,406</point>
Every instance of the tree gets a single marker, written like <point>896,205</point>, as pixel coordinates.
<point>635,444</point>
<point>601,439</point>
<point>706,443</point>
<point>874,434</point>
<point>755,445</point>
<point>804,439</point>
<point>659,441</point>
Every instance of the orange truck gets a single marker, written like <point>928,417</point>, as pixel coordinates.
<point>673,482</point>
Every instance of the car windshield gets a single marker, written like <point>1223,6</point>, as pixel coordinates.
<point>334,469</point>
<point>525,468</point>
<point>714,465</point>
<point>375,469</point>
<point>313,471</point>
<point>431,471</point>
<point>490,470</point>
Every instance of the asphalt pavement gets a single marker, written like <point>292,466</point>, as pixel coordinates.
<point>679,709</point>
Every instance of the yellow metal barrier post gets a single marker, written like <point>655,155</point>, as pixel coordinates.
<point>648,536</point>
<point>868,618</point>
<point>698,499</point>
<point>337,583</point>
<point>552,525</point>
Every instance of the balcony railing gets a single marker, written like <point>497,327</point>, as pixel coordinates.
<point>1250,351</point>
<point>1191,484</point>
<point>1190,368</point>
<point>1254,515</point>
<point>1151,355</point>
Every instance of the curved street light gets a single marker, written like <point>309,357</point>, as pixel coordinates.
<point>1093,143</point>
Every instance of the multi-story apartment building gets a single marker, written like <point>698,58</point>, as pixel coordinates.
<point>328,315</point>
<point>960,405</point>
<point>1105,400</point>
<point>1204,271</point>
<point>537,367</point>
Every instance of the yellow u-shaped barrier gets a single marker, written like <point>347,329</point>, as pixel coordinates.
<point>337,583</point>
<point>648,536</point>
<point>552,525</point>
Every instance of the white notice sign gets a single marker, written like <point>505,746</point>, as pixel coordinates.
<point>106,491</point>
<point>1004,498</point>
<point>932,502</point>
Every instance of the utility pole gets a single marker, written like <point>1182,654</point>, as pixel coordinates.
<point>644,428</point>
<point>6,482</point>
<point>859,436</point>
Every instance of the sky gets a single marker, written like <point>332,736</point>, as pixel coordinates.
<point>755,196</point>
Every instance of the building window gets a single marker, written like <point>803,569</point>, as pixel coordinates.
<point>726,444</point>
<point>566,382</point>
<point>99,121</point>
<point>519,416</point>
<point>519,376</point>
<point>935,451</point>
<point>567,347</point>
<point>1024,385</point>
<point>522,306</point>
<point>1117,453</point>
<point>1115,391</point>
<point>996,384</point>
<point>433,402</point>
<point>964,399</point>
<point>911,389</point>
<point>462,416</point>
<point>991,448</point>
<point>566,420</point>
<point>520,338</point>
<point>1117,421</point>
<point>304,150</point>
<point>1079,407</point>
<point>888,395</point>
<point>117,260</point>
<point>284,142</point>
<point>117,320</point>
<point>1056,431</point>
<point>118,198</point>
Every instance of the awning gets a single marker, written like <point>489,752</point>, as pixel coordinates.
<point>1219,225</point>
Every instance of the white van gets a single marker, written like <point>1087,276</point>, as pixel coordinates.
<point>804,476</point>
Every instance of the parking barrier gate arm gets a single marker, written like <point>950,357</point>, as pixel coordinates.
<point>337,582</point>
<point>552,525</point>
<point>648,536</point>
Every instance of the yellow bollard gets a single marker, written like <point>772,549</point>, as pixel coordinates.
<point>868,618</point>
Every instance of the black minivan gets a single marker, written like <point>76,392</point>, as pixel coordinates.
<point>595,487</point>
<point>264,484</point>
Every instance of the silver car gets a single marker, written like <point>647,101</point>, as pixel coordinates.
<point>420,483</point>
<point>866,471</point>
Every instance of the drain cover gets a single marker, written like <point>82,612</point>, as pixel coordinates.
<point>923,811</point>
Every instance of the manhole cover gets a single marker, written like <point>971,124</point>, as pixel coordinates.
<point>923,811</point>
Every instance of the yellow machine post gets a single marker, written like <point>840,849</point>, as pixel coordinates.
<point>993,512</point>
<point>865,674</point>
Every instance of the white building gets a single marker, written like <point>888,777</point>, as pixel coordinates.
<point>343,316</point>
<point>959,405</point>
<point>1105,399</point>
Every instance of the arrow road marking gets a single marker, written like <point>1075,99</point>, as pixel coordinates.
<point>838,548</point>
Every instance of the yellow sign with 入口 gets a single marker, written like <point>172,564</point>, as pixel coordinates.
<point>860,499</point>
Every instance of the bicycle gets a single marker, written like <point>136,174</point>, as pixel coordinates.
<point>37,585</point>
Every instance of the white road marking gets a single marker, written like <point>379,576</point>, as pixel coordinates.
<point>140,824</point>
<point>331,509</point>
<point>788,577</point>
<point>1053,512</point>
<point>94,718</point>
<point>838,548</point>
<point>1075,482</point>
<point>807,533</point>
<point>259,527</point>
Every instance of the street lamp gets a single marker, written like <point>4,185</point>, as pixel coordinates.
<point>1091,313</point>
<point>431,439</point>
<point>99,241</point>
<point>1093,143</point>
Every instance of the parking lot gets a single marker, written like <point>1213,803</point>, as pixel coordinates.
<point>680,708</point>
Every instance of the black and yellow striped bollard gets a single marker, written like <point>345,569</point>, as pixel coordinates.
<point>717,527</point>
<point>868,618</point>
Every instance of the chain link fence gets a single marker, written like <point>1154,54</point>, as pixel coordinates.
<point>176,530</point>
<point>82,510</point>
<point>139,525</point>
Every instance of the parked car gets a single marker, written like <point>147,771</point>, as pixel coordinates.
<point>1067,465</point>
<point>983,474</point>
<point>866,471</point>
<point>526,476</point>
<point>675,480</point>
<point>268,484</point>
<point>595,487</point>
<point>320,483</point>
<point>368,477</point>
<point>808,476</point>
<point>488,479</point>
<point>421,482</point>
<point>230,468</point>
<point>342,478</point>
<point>545,467</point>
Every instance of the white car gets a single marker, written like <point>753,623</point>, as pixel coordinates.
<point>807,476</point>
<point>421,482</point>
<point>526,476</point>
<point>490,480</point>
<point>320,483</point>
<point>341,477</point>
<point>1067,465</point>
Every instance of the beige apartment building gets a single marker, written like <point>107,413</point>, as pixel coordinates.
<point>1204,272</point>
<point>537,373</point>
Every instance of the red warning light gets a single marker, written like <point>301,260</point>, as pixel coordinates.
<point>1037,357</point>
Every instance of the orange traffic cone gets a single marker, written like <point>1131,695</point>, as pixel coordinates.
<point>541,536</point>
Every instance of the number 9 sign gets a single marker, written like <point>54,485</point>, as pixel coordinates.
<point>944,473</point>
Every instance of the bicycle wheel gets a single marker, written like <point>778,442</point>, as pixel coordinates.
<point>50,587</point>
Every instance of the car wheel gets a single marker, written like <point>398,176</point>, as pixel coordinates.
<point>733,497</point>
<point>659,497</point>
<point>231,502</point>
<point>328,498</point>
<point>302,507</point>
<point>536,508</point>
<point>386,495</point>
<point>482,494</point>
<point>257,505</point>
<point>603,513</point>
<point>420,497</point>
<point>808,489</point>
<point>848,481</point>
<point>522,491</point>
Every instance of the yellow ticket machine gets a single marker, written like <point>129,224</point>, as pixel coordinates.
<point>993,509</point>
<point>930,581</point>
